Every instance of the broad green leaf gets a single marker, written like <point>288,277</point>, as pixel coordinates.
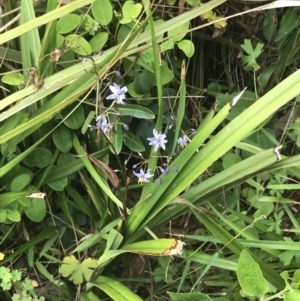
<point>115,289</point>
<point>13,216</point>
<point>189,297</point>
<point>292,295</point>
<point>135,111</point>
<point>141,84</point>
<point>179,32</point>
<point>127,8</point>
<point>187,47</point>
<point>136,10</point>
<point>102,11</point>
<point>39,157</point>
<point>78,44</point>
<point>67,23</point>
<point>13,79</point>
<point>62,138</point>
<point>59,185</point>
<point>133,143</point>
<point>77,271</point>
<point>249,59</point>
<point>230,159</point>
<point>193,2</point>
<point>76,118</point>
<point>166,74</point>
<point>20,182</point>
<point>250,276</point>
<point>98,41</point>
<point>37,211</point>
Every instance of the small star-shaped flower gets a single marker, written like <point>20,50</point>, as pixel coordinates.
<point>182,141</point>
<point>103,124</point>
<point>142,176</point>
<point>118,93</point>
<point>158,140</point>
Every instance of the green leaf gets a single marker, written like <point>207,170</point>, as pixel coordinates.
<point>3,215</point>
<point>62,138</point>
<point>78,44</point>
<point>250,276</point>
<point>193,2</point>
<point>133,143</point>
<point>118,138</point>
<point>135,111</point>
<point>166,75</point>
<point>76,270</point>
<point>179,29</point>
<point>141,84</point>
<point>288,23</point>
<point>39,157</point>
<point>127,9</point>
<point>292,295</point>
<point>67,23</point>
<point>189,297</point>
<point>249,60</point>
<point>76,118</point>
<point>59,185</point>
<point>187,47</point>
<point>20,182</point>
<point>98,41</point>
<point>13,216</point>
<point>136,10</point>
<point>270,23</point>
<point>37,211</point>
<point>115,289</point>
<point>102,11</point>
<point>13,79</point>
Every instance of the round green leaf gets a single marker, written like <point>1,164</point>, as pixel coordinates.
<point>67,23</point>
<point>141,84</point>
<point>13,79</point>
<point>76,118</point>
<point>123,33</point>
<point>230,159</point>
<point>78,44</point>
<point>187,47</point>
<point>40,157</point>
<point>127,9</point>
<point>59,40</point>
<point>37,211</point>
<point>193,2</point>
<point>98,41</point>
<point>166,75</point>
<point>59,185</point>
<point>20,182</point>
<point>250,276</point>
<point>102,11</point>
<point>13,216</point>
<point>136,10</point>
<point>173,33</point>
<point>62,138</point>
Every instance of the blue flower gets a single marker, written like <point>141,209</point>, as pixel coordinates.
<point>158,140</point>
<point>142,176</point>
<point>118,93</point>
<point>103,125</point>
<point>182,141</point>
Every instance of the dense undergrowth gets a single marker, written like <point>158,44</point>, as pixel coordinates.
<point>149,150</point>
